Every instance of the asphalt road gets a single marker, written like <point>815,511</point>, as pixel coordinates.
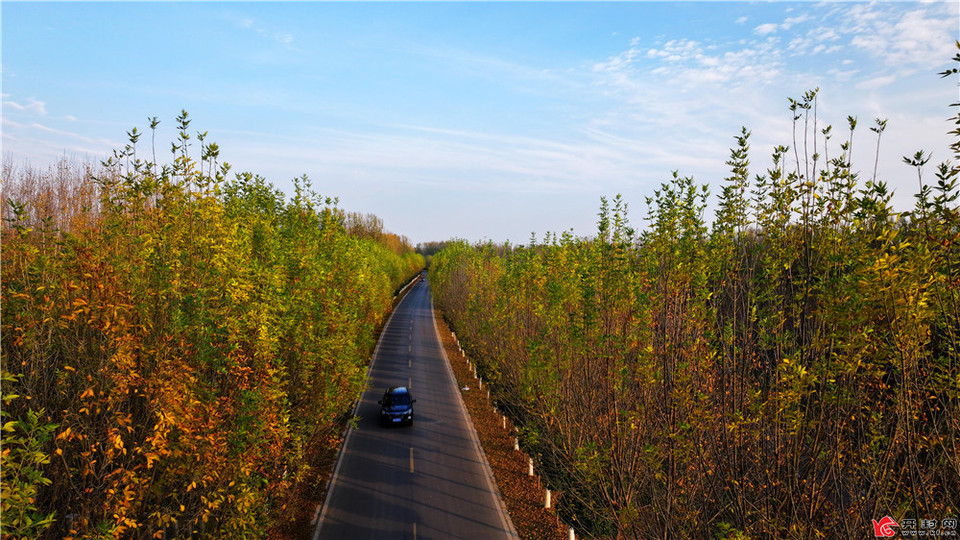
<point>426,481</point>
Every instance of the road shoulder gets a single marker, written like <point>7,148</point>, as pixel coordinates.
<point>523,495</point>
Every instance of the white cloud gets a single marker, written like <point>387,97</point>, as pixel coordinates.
<point>47,129</point>
<point>480,163</point>
<point>676,50</point>
<point>791,21</point>
<point>45,144</point>
<point>876,82</point>
<point>819,40</point>
<point>283,38</point>
<point>843,75</point>
<point>765,29</point>
<point>690,63</point>
<point>34,106</point>
<point>903,36</point>
<point>680,101</point>
<point>618,62</point>
<point>921,38</point>
<point>871,43</point>
<point>826,34</point>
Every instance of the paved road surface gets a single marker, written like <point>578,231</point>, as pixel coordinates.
<point>428,481</point>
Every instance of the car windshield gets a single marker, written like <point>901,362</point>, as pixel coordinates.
<point>397,400</point>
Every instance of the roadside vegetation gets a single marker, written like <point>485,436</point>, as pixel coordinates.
<point>788,370</point>
<point>177,346</point>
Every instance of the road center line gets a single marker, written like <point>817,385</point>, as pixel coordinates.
<point>411,470</point>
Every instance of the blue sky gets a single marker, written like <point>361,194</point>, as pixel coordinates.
<point>478,120</point>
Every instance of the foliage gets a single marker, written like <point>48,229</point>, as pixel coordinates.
<point>22,464</point>
<point>177,343</point>
<point>789,371</point>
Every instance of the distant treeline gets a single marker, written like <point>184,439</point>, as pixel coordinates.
<point>177,347</point>
<point>428,249</point>
<point>791,370</point>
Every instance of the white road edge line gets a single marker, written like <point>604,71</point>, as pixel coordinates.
<point>505,520</point>
<point>356,406</point>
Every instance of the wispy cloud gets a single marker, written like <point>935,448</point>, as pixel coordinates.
<point>285,39</point>
<point>32,106</point>
<point>36,126</point>
<point>453,160</point>
<point>922,38</point>
<point>689,95</point>
<point>876,82</point>
<point>766,28</point>
<point>48,144</point>
<point>902,36</point>
<point>689,63</point>
<point>898,42</point>
<point>787,24</point>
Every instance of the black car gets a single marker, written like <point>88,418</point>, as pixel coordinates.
<point>396,407</point>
